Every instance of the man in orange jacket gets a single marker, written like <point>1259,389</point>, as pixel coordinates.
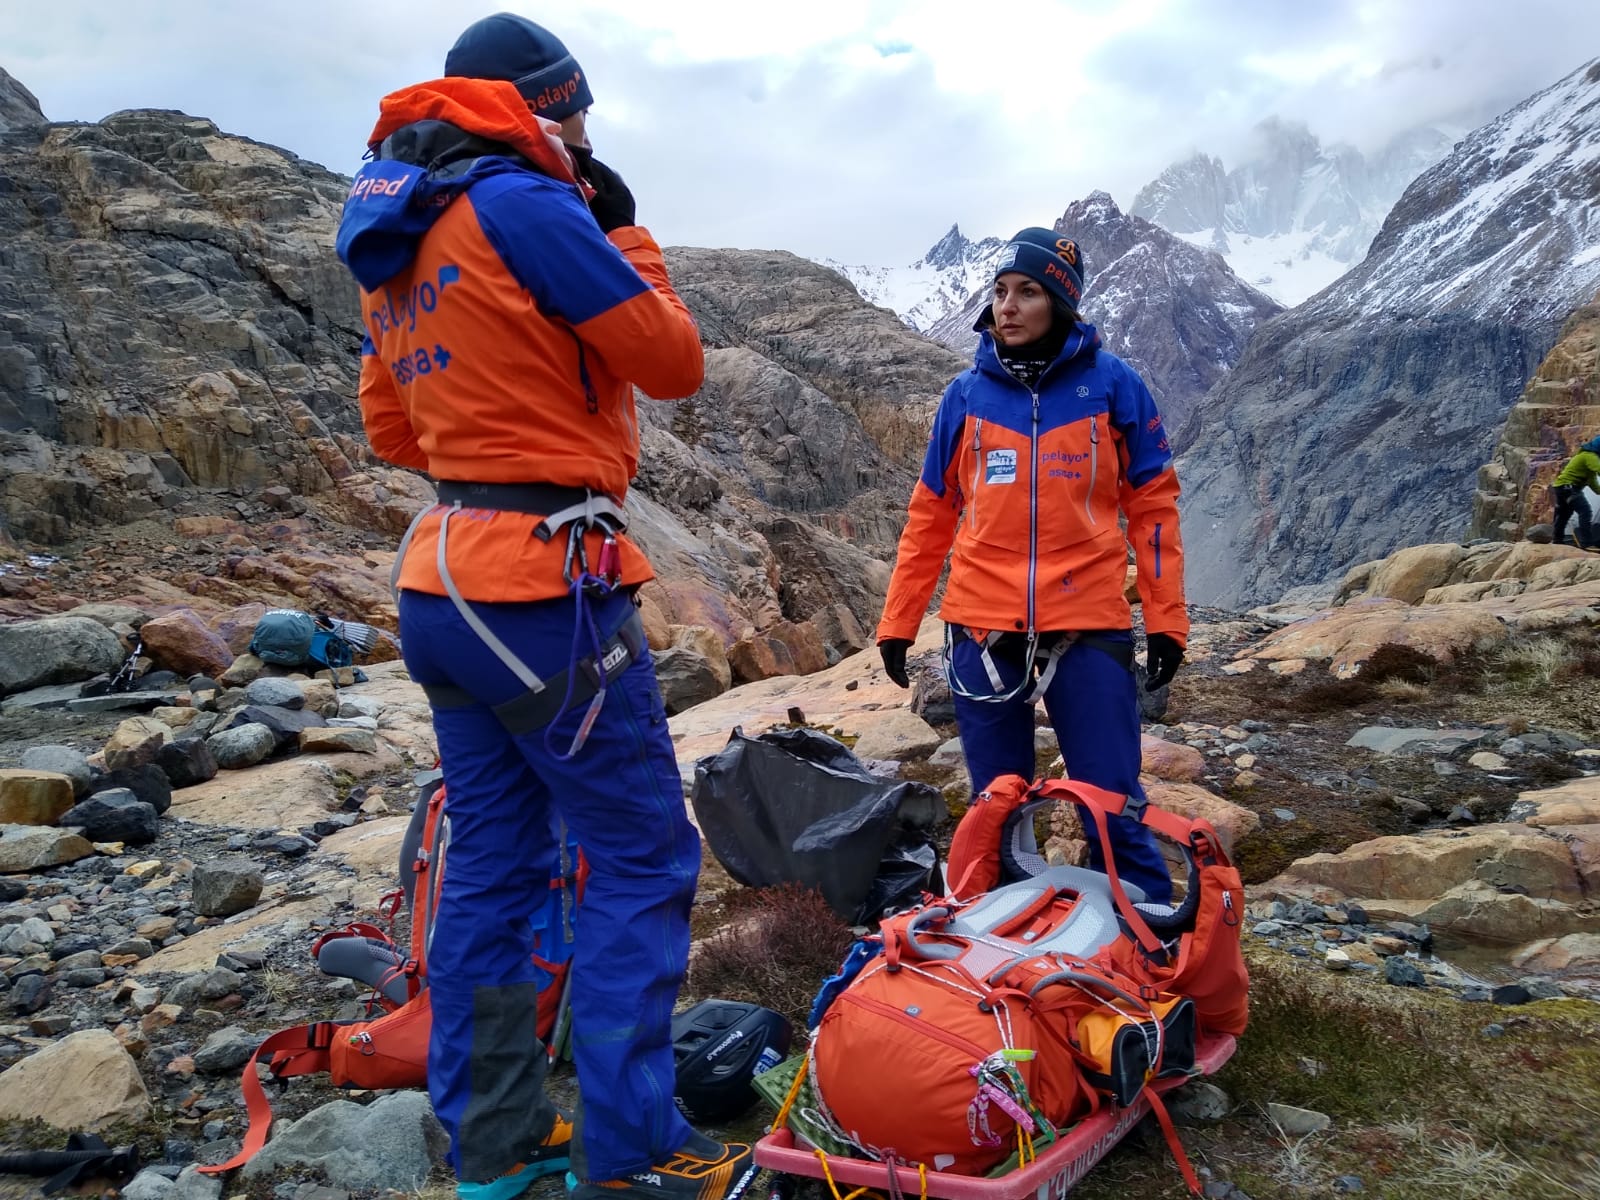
<point>511,304</point>
<point>1035,452</point>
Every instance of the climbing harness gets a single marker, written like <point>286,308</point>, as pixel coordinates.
<point>587,676</point>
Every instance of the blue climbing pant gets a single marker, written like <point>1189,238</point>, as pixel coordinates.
<point>1093,705</point>
<point>621,800</point>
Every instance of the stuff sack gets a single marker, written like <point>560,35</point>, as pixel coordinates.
<point>283,637</point>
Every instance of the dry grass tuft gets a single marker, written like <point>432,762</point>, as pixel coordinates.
<point>786,942</point>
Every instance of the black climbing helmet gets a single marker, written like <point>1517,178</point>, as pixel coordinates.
<point>718,1046</point>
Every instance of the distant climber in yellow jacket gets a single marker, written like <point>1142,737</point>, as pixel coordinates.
<point>1581,472</point>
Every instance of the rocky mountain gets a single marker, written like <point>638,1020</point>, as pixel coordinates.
<point>928,289</point>
<point>1174,311</point>
<point>1295,215</point>
<point>179,344</point>
<point>1558,411</point>
<point>1353,423</point>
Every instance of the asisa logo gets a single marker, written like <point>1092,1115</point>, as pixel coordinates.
<point>1000,467</point>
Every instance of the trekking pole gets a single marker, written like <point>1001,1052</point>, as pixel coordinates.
<point>85,1157</point>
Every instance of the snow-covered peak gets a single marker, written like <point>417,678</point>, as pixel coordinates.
<point>1294,215</point>
<point>929,288</point>
<point>1506,227</point>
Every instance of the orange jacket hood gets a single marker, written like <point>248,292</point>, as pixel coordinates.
<point>490,108</point>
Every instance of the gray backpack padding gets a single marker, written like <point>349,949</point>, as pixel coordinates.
<point>368,961</point>
<point>284,637</point>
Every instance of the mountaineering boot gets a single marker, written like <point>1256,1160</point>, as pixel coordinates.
<point>701,1169</point>
<point>553,1156</point>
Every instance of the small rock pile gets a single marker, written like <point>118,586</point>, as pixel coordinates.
<point>1344,939</point>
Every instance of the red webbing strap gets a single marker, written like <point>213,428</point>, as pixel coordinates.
<point>1130,914</point>
<point>1164,1118</point>
<point>355,929</point>
<point>1101,803</point>
<point>302,1050</point>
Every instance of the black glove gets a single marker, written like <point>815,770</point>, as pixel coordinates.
<point>612,203</point>
<point>1164,655</point>
<point>893,653</point>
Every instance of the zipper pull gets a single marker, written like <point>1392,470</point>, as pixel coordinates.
<point>1094,428</point>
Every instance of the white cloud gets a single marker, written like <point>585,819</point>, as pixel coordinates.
<point>855,128</point>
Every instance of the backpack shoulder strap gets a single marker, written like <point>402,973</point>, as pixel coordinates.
<point>428,872</point>
<point>302,1050</point>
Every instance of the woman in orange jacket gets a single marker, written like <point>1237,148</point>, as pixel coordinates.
<point>512,303</point>
<point>1036,453</point>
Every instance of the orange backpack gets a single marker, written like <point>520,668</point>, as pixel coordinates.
<point>1000,1015</point>
<point>389,1051</point>
<point>1205,962</point>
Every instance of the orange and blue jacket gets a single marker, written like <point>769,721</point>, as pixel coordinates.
<point>504,332</point>
<point>1027,486</point>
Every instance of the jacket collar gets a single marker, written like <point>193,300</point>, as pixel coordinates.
<point>1082,342</point>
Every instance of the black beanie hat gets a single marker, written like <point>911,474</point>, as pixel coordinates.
<point>1053,260</point>
<point>506,46</point>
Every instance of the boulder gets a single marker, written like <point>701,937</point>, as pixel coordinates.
<point>1408,574</point>
<point>1428,865</point>
<point>274,691</point>
<point>116,815</point>
<point>63,760</point>
<point>324,740</point>
<point>1479,910</point>
<point>29,797</point>
<point>838,628</point>
<point>319,696</point>
<point>1388,739</point>
<point>226,886</point>
<point>135,742</point>
<point>225,1050</point>
<point>1350,635</point>
<point>245,670</point>
<point>897,734</point>
<point>1576,954</point>
<point>110,615</point>
<point>238,625</point>
<point>56,650</point>
<point>389,1145</point>
<point>187,761</point>
<point>84,1081</point>
<point>241,746</point>
<point>286,724</point>
<point>148,783</point>
<point>181,642</point>
<point>1575,802</point>
<point>1232,822</point>
<point>804,644</point>
<point>760,657</point>
<point>1171,761</point>
<point>687,677</point>
<point>710,646</point>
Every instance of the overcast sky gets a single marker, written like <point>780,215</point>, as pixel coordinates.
<point>856,129</point>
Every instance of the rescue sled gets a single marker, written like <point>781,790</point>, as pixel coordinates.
<point>998,1042</point>
<point>1051,1176</point>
